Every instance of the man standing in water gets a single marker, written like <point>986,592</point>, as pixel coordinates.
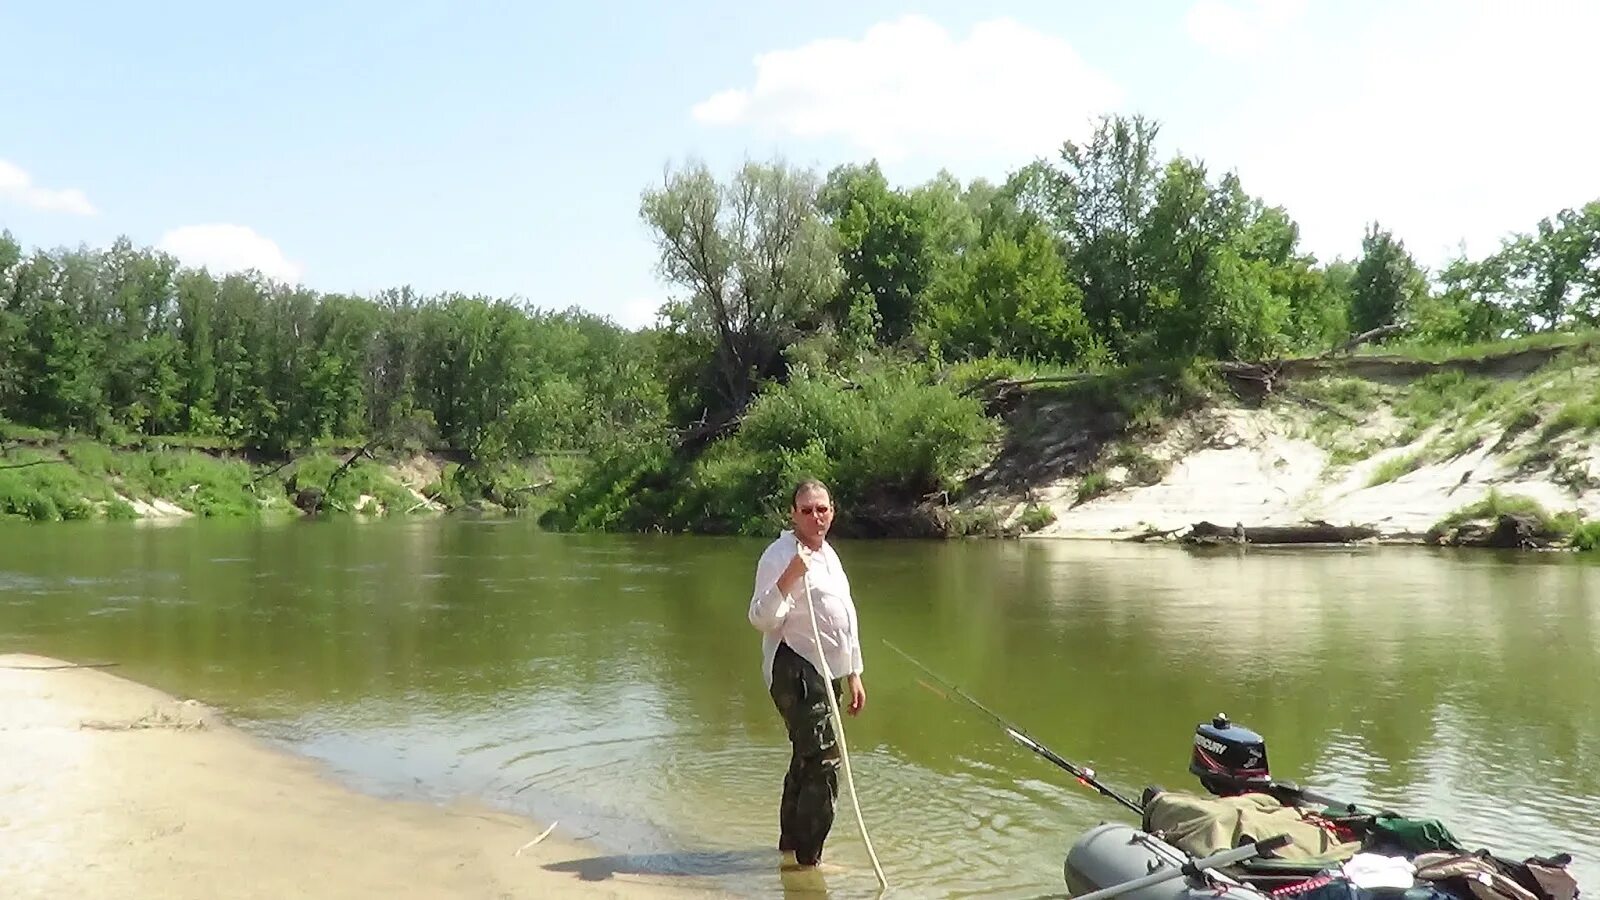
<point>781,610</point>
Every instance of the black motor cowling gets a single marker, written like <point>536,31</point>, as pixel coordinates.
<point>1229,759</point>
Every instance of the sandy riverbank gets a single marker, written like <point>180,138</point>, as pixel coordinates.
<point>1252,469</point>
<point>109,788</point>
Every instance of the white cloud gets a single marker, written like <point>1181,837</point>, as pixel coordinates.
<point>17,186</point>
<point>1236,27</point>
<point>640,312</point>
<point>909,87</point>
<point>229,248</point>
<point>1449,130</point>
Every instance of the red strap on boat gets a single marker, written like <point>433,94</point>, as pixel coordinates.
<point>1310,884</point>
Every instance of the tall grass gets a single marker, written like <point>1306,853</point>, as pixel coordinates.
<point>1393,468</point>
<point>1440,396</point>
<point>202,484</point>
<point>1586,537</point>
<point>45,487</point>
<point>1035,517</point>
<point>1581,414</point>
<point>1093,485</point>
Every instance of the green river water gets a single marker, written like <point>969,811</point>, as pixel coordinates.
<point>612,682</point>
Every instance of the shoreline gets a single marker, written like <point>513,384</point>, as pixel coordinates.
<point>116,789</point>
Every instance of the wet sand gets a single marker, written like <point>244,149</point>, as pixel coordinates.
<point>109,788</point>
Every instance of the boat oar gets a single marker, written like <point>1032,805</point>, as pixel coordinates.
<point>1191,868</point>
<point>1086,776</point>
<point>838,727</point>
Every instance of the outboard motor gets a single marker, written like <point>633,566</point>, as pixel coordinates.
<point>1229,759</point>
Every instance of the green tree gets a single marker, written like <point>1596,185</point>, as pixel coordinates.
<point>756,259</point>
<point>11,326</point>
<point>884,246</point>
<point>393,366</point>
<point>472,372</point>
<point>1319,304</point>
<point>1468,307</point>
<point>1387,284</point>
<point>137,297</point>
<point>333,384</point>
<point>1552,276</point>
<point>197,376</point>
<point>1011,296</point>
<point>1100,198</point>
<point>242,366</point>
<point>59,363</point>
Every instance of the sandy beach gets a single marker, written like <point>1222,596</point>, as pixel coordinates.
<point>112,789</point>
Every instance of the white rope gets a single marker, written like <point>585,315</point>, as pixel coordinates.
<point>838,725</point>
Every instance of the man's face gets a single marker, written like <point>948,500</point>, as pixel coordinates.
<point>812,514</point>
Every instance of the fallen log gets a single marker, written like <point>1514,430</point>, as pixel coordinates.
<point>1305,533</point>
<point>1153,534</point>
<point>531,487</point>
<point>1256,377</point>
<point>425,501</point>
<point>276,469</point>
<point>1002,386</point>
<point>364,452</point>
<point>1382,331</point>
<point>37,462</point>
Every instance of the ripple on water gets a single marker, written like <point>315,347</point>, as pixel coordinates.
<point>936,834</point>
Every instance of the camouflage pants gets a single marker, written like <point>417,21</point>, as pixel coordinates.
<point>811,786</point>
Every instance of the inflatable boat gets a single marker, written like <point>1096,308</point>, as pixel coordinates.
<point>1252,837</point>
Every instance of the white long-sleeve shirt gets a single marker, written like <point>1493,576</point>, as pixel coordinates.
<point>782,618</point>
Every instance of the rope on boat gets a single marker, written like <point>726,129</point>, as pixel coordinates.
<point>838,725</point>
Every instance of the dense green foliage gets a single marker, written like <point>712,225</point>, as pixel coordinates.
<point>122,343</point>
<point>819,325</point>
<point>891,438</point>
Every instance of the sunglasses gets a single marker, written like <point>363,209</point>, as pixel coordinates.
<point>808,510</point>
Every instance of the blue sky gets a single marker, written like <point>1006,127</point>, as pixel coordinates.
<point>501,149</point>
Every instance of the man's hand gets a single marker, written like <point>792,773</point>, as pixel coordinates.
<point>858,694</point>
<point>790,578</point>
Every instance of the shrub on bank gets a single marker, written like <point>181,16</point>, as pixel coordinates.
<point>1496,504</point>
<point>629,489</point>
<point>890,438</point>
<point>891,435</point>
<point>1586,536</point>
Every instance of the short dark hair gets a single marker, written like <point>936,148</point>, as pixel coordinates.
<point>807,484</point>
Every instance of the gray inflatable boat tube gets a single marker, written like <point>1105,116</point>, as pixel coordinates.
<point>1111,854</point>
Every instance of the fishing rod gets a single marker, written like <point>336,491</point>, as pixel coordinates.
<point>1017,734</point>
